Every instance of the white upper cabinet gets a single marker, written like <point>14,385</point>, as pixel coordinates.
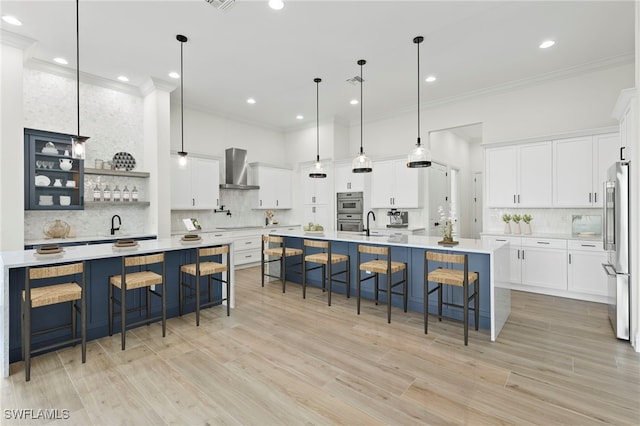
<point>394,185</point>
<point>519,175</point>
<point>579,169</point>
<point>345,180</point>
<point>275,186</point>
<point>195,186</point>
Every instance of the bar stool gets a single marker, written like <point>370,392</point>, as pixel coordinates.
<point>142,277</point>
<point>382,266</point>
<point>455,277</point>
<point>205,267</point>
<point>51,294</point>
<point>280,253</point>
<point>322,258</point>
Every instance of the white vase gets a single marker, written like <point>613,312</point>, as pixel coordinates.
<point>527,229</point>
<point>507,228</point>
<point>516,228</point>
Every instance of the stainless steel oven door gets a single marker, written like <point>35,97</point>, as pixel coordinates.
<point>350,205</point>
<point>350,222</point>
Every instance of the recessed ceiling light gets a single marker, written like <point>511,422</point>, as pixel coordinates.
<point>353,102</point>
<point>547,43</point>
<point>430,79</point>
<point>276,4</point>
<point>123,78</point>
<point>174,74</point>
<point>61,61</point>
<point>299,117</point>
<point>251,101</point>
<point>11,20</point>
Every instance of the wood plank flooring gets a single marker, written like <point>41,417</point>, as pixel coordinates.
<point>282,360</point>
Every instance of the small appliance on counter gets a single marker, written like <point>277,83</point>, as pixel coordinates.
<point>398,219</point>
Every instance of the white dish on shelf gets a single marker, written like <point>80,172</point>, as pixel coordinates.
<point>48,150</point>
<point>42,180</point>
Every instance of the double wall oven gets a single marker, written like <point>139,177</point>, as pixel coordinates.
<point>350,206</point>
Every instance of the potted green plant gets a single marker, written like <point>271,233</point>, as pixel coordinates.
<point>506,218</point>
<point>516,223</point>
<point>527,218</point>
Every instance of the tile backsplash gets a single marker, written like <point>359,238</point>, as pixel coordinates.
<point>547,221</point>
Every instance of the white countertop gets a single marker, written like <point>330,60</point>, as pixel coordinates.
<point>22,258</point>
<point>84,239</point>
<point>413,241</point>
<point>233,228</point>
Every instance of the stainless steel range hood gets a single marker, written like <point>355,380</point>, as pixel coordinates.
<point>236,170</point>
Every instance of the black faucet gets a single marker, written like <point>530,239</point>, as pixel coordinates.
<point>113,229</point>
<point>374,218</point>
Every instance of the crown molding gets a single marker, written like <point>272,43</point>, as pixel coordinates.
<point>16,40</point>
<point>92,79</point>
<point>153,83</point>
<point>625,97</point>
<point>624,59</point>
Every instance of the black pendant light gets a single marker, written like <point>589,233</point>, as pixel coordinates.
<point>362,163</point>
<point>419,156</point>
<point>317,171</point>
<point>182,153</point>
<point>77,141</point>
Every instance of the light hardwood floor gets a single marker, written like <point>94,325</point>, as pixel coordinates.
<point>282,360</point>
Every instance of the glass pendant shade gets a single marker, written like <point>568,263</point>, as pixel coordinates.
<point>362,164</point>
<point>317,171</point>
<point>78,147</point>
<point>419,157</point>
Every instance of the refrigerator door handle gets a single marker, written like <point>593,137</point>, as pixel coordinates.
<point>609,270</point>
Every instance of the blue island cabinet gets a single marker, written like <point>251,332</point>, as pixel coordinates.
<point>414,257</point>
<point>97,276</point>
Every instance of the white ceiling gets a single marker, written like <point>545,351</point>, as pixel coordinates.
<point>250,50</point>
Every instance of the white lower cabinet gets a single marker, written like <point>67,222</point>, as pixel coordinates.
<point>543,263</point>
<point>559,267</point>
<point>246,246</point>
<point>586,274</point>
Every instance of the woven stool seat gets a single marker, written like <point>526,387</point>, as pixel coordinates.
<point>324,258</point>
<point>277,254</point>
<point>137,280</point>
<point>52,294</point>
<point>451,276</point>
<point>380,266</point>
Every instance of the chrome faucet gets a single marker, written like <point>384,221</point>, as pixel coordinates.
<point>374,218</point>
<point>113,229</point>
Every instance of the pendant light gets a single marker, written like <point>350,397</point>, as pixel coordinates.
<point>182,153</point>
<point>77,141</point>
<point>317,171</point>
<point>362,163</point>
<point>419,156</point>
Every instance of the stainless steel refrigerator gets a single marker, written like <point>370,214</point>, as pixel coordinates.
<point>616,240</point>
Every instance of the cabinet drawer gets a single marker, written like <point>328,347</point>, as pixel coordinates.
<point>594,246</point>
<point>247,243</point>
<point>247,256</point>
<point>544,243</point>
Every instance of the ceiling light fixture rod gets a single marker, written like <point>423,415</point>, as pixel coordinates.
<point>361,164</point>
<point>361,62</point>
<point>77,141</point>
<point>317,81</point>
<point>182,39</point>
<point>417,41</point>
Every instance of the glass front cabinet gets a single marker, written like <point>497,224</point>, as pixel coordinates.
<point>53,178</point>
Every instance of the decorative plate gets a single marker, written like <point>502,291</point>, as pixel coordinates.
<point>124,160</point>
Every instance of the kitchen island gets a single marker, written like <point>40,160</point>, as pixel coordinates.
<point>490,260</point>
<point>102,260</point>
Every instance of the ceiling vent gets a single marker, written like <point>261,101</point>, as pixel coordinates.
<point>355,80</point>
<point>221,4</point>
